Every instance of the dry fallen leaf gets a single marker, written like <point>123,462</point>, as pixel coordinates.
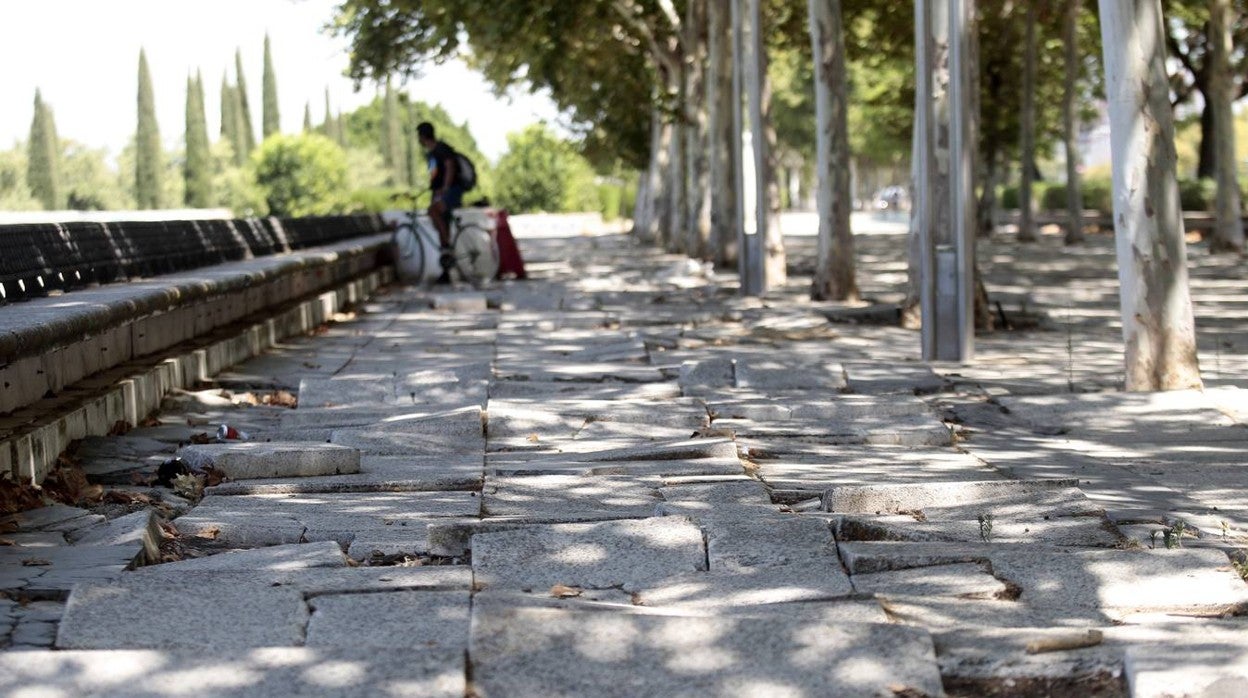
<point>281,398</point>
<point>120,428</point>
<point>189,486</point>
<point>560,591</point>
<point>201,438</point>
<point>533,438</point>
<point>150,422</point>
<point>124,497</point>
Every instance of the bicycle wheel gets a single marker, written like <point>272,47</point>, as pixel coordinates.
<point>476,254</point>
<point>409,253</point>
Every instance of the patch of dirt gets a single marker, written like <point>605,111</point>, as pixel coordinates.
<point>1102,685</point>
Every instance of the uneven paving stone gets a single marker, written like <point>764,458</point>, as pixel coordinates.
<point>568,497</point>
<point>780,376</point>
<point>140,528</point>
<point>102,616</point>
<point>902,431</point>
<point>246,461</point>
<point>230,672</point>
<point>966,580</point>
<point>377,474</point>
<point>591,555</point>
<point>1121,583</point>
<point>700,377</point>
<point>54,571</point>
<point>518,389</point>
<point>417,620</point>
<point>255,520</point>
<point>948,612</point>
<point>1084,531</point>
<point>868,557</point>
<point>280,558</point>
<point>49,517</point>
<point>500,464</point>
<point>891,499</point>
<point>881,378</point>
<point>721,590</point>
<point>776,541</point>
<point>526,651</point>
<point>1175,414</point>
<point>1205,661</point>
<point>736,492</point>
<point>847,466</point>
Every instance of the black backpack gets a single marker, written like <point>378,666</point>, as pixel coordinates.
<point>465,172</point>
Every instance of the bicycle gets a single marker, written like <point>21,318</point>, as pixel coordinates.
<point>474,250</point>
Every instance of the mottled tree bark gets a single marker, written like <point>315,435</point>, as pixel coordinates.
<point>1027,130</point>
<point>834,266</point>
<point>723,189</point>
<point>1158,328</point>
<point>1070,125</point>
<point>1228,231</point>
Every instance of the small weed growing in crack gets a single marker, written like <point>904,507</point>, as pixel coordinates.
<point>985,526</point>
<point>1171,536</point>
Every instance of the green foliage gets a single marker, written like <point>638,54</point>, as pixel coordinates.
<point>231,121</point>
<point>1197,194</point>
<point>42,156</point>
<point>617,196</point>
<point>148,162</point>
<point>307,118</point>
<point>14,194</point>
<point>235,187</point>
<point>246,128</point>
<point>303,175</point>
<point>540,172</point>
<point>91,184</point>
<point>271,117</point>
<point>197,168</point>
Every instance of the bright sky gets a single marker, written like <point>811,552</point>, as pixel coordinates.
<point>83,55</point>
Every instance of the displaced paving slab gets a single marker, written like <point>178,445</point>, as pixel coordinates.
<point>721,590</point>
<point>965,580</point>
<point>377,474</point>
<point>278,558</point>
<point>527,651</point>
<point>108,616</point>
<point>591,555</point>
<point>418,620</point>
<point>568,497</point>
<point>776,540</point>
<point>255,460</point>
<point>891,499</point>
<point>271,672</point>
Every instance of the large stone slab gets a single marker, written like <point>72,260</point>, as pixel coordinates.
<point>966,580</point>
<point>418,620</point>
<point>53,571</point>
<point>592,555</point>
<point>863,465</point>
<point>279,558</point>
<point>139,529</point>
<point>723,590</point>
<point>108,616</point>
<point>377,474</point>
<point>900,431</point>
<point>273,672</point>
<point>881,378</point>
<point>891,499</point>
<point>568,497</point>
<point>526,651</point>
<point>1083,531</point>
<point>1208,662</point>
<point>771,376</point>
<point>776,540</point>
<point>254,460</point>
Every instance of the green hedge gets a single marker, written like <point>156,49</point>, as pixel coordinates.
<point>1194,195</point>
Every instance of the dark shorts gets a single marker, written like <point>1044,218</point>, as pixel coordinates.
<point>452,198</point>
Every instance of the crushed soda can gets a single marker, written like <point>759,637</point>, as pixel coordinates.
<point>228,433</point>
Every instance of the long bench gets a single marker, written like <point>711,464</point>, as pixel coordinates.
<point>49,345</point>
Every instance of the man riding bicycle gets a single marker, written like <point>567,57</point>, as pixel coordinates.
<point>448,194</point>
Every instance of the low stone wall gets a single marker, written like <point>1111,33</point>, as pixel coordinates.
<point>74,364</point>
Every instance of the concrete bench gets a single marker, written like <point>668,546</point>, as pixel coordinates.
<point>51,343</point>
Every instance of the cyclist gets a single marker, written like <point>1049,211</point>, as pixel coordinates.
<point>448,194</point>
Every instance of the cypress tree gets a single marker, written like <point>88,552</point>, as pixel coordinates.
<point>147,143</point>
<point>228,107</point>
<point>272,119</point>
<point>42,152</point>
<point>340,130</point>
<point>307,117</point>
<point>241,152</point>
<point>392,137</point>
<point>247,131</point>
<point>198,165</point>
<point>327,127</point>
